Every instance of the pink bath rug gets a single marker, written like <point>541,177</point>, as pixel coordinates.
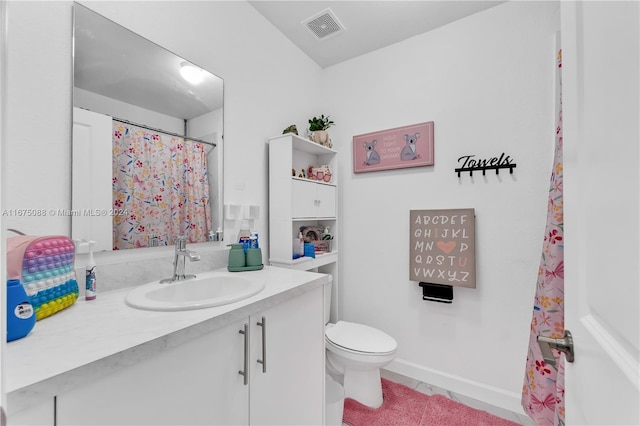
<point>404,406</point>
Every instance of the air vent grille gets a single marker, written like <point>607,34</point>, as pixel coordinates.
<point>324,24</point>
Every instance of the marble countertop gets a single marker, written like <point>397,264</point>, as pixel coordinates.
<point>92,338</point>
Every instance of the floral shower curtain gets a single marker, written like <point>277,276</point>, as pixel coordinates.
<point>160,184</point>
<point>543,389</point>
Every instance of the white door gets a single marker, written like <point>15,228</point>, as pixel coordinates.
<point>91,176</point>
<point>601,53</point>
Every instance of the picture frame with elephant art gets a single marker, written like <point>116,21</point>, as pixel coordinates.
<point>397,148</point>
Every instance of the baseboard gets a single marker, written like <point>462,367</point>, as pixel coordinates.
<point>459,385</point>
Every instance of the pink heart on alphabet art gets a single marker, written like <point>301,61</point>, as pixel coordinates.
<point>446,247</point>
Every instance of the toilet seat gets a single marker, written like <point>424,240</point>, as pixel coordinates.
<point>360,338</point>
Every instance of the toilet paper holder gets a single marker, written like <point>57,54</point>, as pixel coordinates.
<point>437,292</point>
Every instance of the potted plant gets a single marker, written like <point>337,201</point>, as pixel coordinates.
<point>318,127</point>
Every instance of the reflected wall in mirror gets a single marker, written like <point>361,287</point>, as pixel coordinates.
<point>147,143</point>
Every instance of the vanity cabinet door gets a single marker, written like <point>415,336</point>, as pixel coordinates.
<point>291,389</point>
<point>311,200</point>
<point>41,414</point>
<point>194,383</point>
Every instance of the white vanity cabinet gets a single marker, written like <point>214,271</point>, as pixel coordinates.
<point>194,383</point>
<point>41,414</point>
<point>279,350</point>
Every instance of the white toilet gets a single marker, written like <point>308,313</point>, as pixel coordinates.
<point>357,352</point>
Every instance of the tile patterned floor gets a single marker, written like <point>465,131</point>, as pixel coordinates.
<point>433,390</point>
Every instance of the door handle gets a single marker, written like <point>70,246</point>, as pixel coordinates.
<point>245,372</point>
<point>565,344</point>
<point>263,361</point>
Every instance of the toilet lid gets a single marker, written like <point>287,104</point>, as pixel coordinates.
<point>361,338</point>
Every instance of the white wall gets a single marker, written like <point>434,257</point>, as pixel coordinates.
<point>118,109</point>
<point>38,117</point>
<point>487,82</point>
<point>265,77</point>
<point>3,110</point>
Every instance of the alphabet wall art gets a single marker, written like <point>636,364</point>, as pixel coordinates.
<point>443,249</point>
<point>401,147</point>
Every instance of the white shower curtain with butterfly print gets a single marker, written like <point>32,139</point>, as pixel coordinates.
<point>543,389</point>
<point>161,183</point>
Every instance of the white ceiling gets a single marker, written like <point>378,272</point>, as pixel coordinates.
<point>370,25</point>
<point>117,63</point>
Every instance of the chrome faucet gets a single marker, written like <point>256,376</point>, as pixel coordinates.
<point>179,261</point>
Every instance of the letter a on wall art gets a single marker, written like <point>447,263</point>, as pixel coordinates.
<point>443,247</point>
<point>402,147</point>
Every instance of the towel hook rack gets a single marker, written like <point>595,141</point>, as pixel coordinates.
<point>471,164</point>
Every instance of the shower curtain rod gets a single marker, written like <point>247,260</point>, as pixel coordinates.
<point>163,131</point>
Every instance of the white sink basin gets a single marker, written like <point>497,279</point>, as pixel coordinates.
<point>206,290</point>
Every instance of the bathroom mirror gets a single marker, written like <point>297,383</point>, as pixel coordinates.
<point>147,143</point>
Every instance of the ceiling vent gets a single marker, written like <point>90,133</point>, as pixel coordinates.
<point>324,25</point>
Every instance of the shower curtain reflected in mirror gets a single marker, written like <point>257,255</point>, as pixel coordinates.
<point>160,185</point>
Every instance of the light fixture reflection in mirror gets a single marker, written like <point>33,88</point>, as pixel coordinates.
<point>191,73</point>
<point>131,107</point>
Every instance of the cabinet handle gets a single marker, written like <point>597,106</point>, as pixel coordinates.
<point>245,373</point>
<point>263,361</point>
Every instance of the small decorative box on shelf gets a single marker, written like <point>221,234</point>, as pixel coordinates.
<point>322,246</point>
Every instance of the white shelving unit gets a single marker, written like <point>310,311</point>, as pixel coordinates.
<point>295,202</point>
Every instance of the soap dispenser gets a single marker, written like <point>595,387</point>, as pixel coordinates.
<point>90,269</point>
<point>90,275</point>
<point>236,257</point>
